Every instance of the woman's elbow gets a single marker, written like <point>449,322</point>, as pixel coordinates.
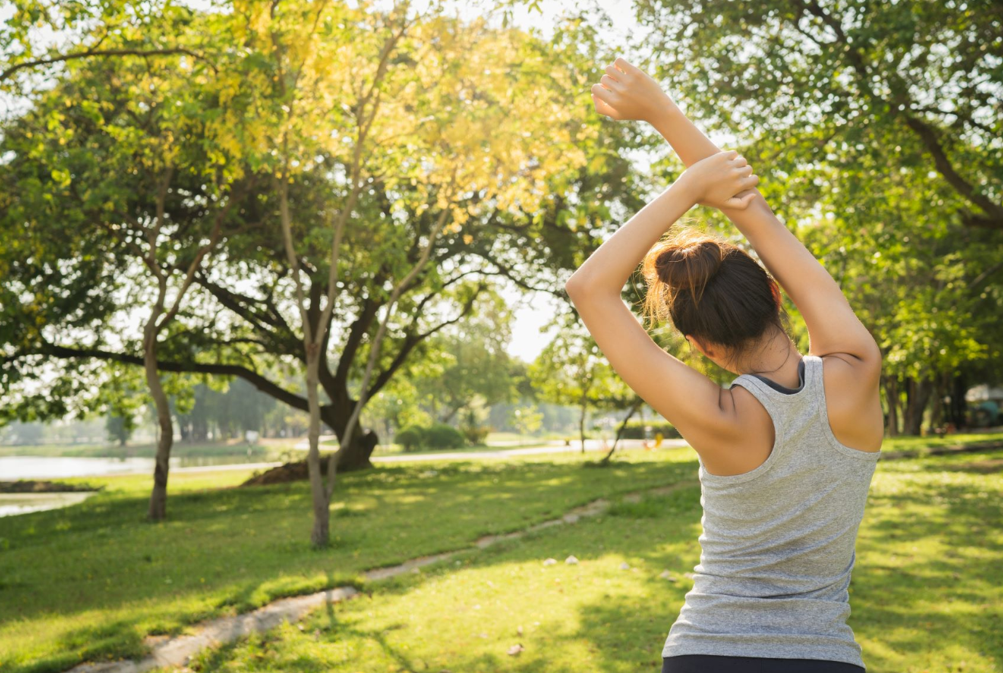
<point>576,285</point>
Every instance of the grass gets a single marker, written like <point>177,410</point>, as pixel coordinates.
<point>927,591</point>
<point>921,445</point>
<point>397,449</point>
<point>90,581</point>
<point>495,441</point>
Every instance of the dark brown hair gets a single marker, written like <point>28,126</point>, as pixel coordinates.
<point>712,290</point>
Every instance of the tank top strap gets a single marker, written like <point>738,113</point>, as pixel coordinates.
<point>773,395</point>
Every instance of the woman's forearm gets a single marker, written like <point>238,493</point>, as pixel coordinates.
<point>686,139</point>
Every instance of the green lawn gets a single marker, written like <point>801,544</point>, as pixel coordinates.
<point>923,444</point>
<point>495,441</point>
<point>927,591</point>
<point>88,582</point>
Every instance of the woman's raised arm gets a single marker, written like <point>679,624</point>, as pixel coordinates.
<point>626,92</point>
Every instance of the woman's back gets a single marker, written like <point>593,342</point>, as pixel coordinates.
<point>778,541</point>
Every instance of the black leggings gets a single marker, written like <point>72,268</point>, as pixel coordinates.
<point>708,663</point>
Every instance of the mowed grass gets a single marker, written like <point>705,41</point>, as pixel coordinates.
<point>926,595</point>
<point>922,445</point>
<point>91,581</point>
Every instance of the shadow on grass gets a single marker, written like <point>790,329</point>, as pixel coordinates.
<point>925,588</point>
<point>235,548</point>
<point>931,569</point>
<point>620,633</point>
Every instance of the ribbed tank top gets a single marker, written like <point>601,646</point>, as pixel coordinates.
<point>777,546</point>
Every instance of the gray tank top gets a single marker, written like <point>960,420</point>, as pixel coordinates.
<point>777,546</point>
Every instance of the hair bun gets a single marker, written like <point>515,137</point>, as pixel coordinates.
<point>689,264</point>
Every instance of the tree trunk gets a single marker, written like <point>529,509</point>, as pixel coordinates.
<point>623,425</point>
<point>581,422</point>
<point>321,508</point>
<point>917,396</point>
<point>165,438</point>
<point>939,392</point>
<point>448,418</point>
<point>957,408</point>
<point>355,456</point>
<point>892,398</point>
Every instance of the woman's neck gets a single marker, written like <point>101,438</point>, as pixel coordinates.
<point>778,361</point>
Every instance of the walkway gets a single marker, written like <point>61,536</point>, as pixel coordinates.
<point>591,446</point>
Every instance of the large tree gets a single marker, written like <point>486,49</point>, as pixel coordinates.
<point>483,135</point>
<point>876,127</point>
<point>129,168</point>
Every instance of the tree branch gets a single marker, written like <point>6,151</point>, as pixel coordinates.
<point>6,74</point>
<point>252,377</point>
<point>414,339</point>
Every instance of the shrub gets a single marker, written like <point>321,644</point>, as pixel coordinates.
<point>411,438</point>
<point>441,436</point>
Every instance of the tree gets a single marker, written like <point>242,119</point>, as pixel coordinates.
<point>875,125</point>
<point>922,77</point>
<point>474,365</point>
<point>571,370</point>
<point>128,153</point>
<point>481,135</point>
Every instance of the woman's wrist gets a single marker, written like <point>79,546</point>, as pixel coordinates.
<point>664,114</point>
<point>686,187</point>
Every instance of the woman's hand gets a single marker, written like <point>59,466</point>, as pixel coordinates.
<point>625,92</point>
<point>720,180</point>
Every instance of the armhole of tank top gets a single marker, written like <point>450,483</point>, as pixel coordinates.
<point>755,387</point>
<point>817,382</point>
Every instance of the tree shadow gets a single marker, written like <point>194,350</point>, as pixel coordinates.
<point>902,601</point>
<point>58,563</point>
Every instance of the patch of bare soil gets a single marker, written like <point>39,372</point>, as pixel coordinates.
<point>285,473</point>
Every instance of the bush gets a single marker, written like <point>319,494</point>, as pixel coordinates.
<point>411,438</point>
<point>441,436</point>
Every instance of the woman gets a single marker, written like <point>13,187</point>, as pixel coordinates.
<point>787,451</point>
